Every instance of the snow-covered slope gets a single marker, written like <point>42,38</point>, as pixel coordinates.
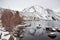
<point>35,11</point>
<point>42,13</point>
<point>54,15</point>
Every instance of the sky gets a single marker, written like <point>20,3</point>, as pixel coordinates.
<point>21,4</point>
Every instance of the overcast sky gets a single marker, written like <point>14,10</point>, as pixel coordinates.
<point>21,4</point>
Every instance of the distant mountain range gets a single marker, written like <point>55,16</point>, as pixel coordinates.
<point>39,12</point>
<point>42,13</point>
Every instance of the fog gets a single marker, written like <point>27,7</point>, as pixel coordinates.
<point>21,4</point>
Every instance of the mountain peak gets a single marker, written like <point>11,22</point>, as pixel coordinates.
<point>33,8</point>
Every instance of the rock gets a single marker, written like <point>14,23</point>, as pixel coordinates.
<point>9,21</point>
<point>58,30</point>
<point>52,35</point>
<point>0,35</point>
<point>50,29</point>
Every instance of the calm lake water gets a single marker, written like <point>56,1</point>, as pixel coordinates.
<point>41,34</point>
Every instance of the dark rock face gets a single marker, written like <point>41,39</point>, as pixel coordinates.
<point>52,36</point>
<point>9,21</point>
<point>58,30</point>
<point>53,18</point>
<point>50,29</point>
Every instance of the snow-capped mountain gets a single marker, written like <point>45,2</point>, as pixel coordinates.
<point>41,13</point>
<point>37,12</point>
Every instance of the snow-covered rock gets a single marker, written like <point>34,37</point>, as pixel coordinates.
<point>5,35</point>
